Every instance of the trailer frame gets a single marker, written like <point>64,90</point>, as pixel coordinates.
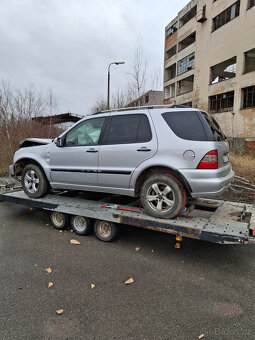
<point>216,221</point>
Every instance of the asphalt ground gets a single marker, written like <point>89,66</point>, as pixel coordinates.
<point>201,288</point>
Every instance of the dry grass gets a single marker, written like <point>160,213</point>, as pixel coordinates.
<point>244,165</point>
<point>18,131</point>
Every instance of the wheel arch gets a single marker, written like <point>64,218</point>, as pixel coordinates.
<point>146,173</point>
<point>22,162</point>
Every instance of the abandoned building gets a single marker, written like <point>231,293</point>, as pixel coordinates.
<point>63,121</point>
<point>210,62</point>
<point>148,98</point>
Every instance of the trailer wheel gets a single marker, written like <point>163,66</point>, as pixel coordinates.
<point>59,220</point>
<point>81,225</point>
<point>105,231</point>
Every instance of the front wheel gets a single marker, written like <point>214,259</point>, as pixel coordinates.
<point>163,196</point>
<point>34,181</point>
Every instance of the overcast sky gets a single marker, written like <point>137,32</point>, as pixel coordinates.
<point>66,45</point>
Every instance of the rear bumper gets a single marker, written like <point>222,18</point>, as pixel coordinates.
<point>209,183</point>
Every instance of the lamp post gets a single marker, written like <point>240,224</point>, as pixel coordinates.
<point>108,88</point>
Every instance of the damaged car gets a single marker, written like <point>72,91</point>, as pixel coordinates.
<point>159,154</point>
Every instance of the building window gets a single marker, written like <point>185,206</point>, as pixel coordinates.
<point>224,17</point>
<point>170,91</point>
<point>171,30</point>
<point>185,85</point>
<point>186,64</point>
<point>251,3</point>
<point>188,16</point>
<point>223,71</point>
<point>189,104</point>
<point>146,99</point>
<point>187,41</point>
<point>170,72</point>
<point>170,52</point>
<point>249,61</point>
<point>221,102</point>
<point>248,97</point>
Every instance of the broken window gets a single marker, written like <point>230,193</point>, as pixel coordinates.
<point>170,52</point>
<point>189,104</point>
<point>170,91</point>
<point>249,60</point>
<point>187,41</point>
<point>221,102</point>
<point>185,85</point>
<point>224,17</point>
<point>170,72</point>
<point>188,16</point>
<point>223,71</point>
<point>248,97</point>
<point>186,64</point>
<point>171,30</point>
<point>251,3</point>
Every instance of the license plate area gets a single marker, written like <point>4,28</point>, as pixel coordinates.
<point>226,158</point>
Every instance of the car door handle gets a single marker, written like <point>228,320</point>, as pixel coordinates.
<point>143,148</point>
<point>92,150</point>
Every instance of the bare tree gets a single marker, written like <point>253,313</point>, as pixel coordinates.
<point>157,79</point>
<point>119,99</point>
<point>17,108</point>
<point>137,82</point>
<point>100,105</point>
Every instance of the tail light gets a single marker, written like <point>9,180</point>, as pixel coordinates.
<point>209,161</point>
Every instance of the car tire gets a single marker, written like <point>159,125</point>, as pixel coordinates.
<point>81,225</point>
<point>163,196</point>
<point>34,181</point>
<point>105,231</point>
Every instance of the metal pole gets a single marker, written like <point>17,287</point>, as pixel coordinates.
<point>108,89</point>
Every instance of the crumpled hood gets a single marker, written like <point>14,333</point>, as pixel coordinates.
<point>34,142</point>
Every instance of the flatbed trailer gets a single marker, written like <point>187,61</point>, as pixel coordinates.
<point>216,221</point>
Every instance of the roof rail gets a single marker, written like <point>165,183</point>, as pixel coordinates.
<point>175,106</point>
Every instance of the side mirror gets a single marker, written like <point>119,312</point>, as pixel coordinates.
<point>59,142</point>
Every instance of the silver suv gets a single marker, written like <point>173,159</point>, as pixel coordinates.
<point>161,154</point>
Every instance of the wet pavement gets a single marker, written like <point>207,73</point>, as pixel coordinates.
<point>202,288</point>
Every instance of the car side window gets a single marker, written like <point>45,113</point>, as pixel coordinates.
<point>126,129</point>
<point>85,133</point>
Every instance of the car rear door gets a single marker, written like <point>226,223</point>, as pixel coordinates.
<point>129,140</point>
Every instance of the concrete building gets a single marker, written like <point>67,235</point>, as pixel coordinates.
<point>210,62</point>
<point>148,98</point>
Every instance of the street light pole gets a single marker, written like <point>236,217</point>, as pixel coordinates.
<point>108,87</point>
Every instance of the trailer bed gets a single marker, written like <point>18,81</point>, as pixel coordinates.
<point>215,221</point>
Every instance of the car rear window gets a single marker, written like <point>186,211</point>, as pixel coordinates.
<point>217,133</point>
<point>186,125</point>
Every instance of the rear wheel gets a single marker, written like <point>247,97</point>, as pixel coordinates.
<point>34,181</point>
<point>163,196</point>
<point>105,231</point>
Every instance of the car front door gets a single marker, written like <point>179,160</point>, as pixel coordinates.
<point>129,139</point>
<point>75,163</point>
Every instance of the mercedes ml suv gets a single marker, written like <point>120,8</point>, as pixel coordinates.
<point>161,154</point>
